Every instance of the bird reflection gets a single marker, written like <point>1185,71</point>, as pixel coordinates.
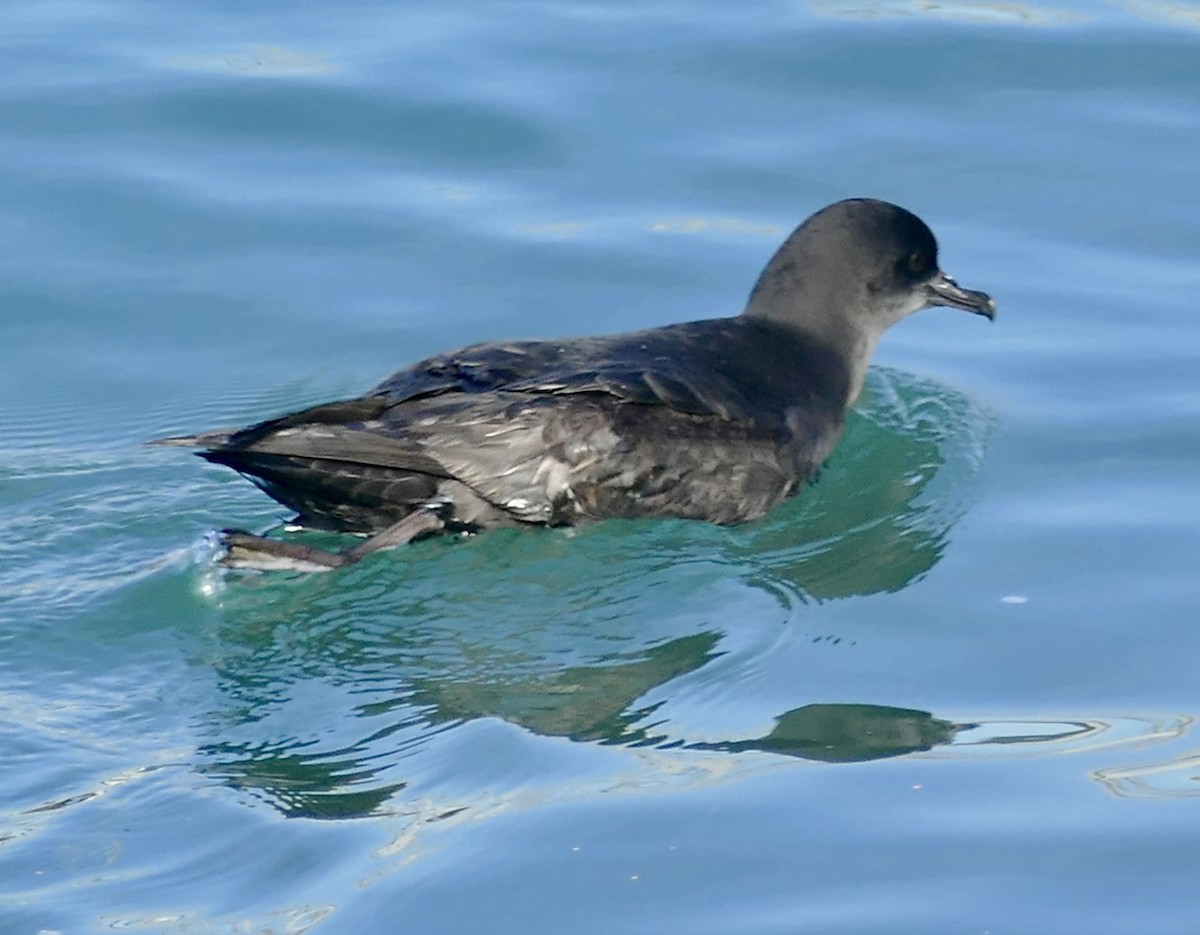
<point>584,636</point>
<point>847,733</point>
<point>327,785</point>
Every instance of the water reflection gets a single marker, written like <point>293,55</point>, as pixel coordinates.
<point>327,785</point>
<point>331,784</point>
<point>848,733</point>
<point>584,635</point>
<point>1177,778</point>
<point>585,703</point>
<point>582,702</point>
<point>879,517</point>
<point>976,12</point>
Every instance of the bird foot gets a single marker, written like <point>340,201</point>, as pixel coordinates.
<point>247,551</point>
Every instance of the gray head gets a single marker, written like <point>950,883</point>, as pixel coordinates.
<point>853,270</point>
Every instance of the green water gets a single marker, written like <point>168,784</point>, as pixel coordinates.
<point>949,690</point>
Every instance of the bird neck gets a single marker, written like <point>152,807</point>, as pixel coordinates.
<point>850,344</point>
<point>859,359</point>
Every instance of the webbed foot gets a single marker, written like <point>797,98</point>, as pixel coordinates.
<point>248,551</point>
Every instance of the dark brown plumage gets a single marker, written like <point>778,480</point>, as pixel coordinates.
<point>717,420</point>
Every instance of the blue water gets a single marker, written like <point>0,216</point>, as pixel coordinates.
<point>951,689</point>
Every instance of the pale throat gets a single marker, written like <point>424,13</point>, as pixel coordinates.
<point>858,343</point>
<point>861,349</point>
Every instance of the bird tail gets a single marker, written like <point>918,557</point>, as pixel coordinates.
<point>215,439</point>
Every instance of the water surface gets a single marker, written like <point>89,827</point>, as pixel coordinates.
<point>950,689</point>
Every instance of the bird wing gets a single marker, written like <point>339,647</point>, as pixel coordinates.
<point>678,366</point>
<point>547,460</point>
<point>671,421</point>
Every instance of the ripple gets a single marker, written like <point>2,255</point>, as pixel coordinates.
<point>978,13</point>
<point>881,513</point>
<point>1033,737</point>
<point>1172,12</point>
<point>259,61</point>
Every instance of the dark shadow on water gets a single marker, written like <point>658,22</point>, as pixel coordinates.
<point>566,634</point>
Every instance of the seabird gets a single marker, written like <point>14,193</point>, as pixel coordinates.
<point>716,420</point>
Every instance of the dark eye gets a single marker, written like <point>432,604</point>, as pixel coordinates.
<point>918,263</point>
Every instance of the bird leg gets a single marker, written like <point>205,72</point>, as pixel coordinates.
<point>418,522</point>
<point>246,550</point>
